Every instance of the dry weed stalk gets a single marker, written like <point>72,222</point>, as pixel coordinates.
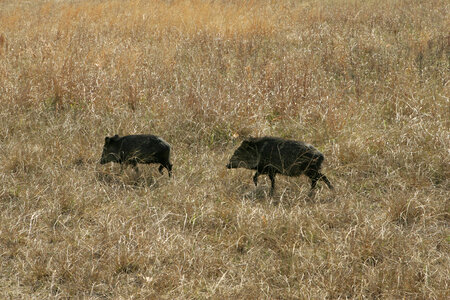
<point>365,81</point>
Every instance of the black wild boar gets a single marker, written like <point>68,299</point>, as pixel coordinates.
<point>270,155</point>
<point>134,149</point>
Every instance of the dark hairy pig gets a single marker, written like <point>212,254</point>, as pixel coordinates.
<point>134,149</point>
<point>271,155</point>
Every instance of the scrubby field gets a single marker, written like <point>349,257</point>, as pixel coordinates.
<point>366,82</point>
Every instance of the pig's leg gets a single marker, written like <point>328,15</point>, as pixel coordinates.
<point>314,176</point>
<point>255,178</point>
<point>312,191</point>
<point>325,179</point>
<point>272,181</point>
<point>166,165</point>
<point>169,169</point>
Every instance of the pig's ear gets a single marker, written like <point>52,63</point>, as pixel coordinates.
<point>115,138</point>
<point>107,140</point>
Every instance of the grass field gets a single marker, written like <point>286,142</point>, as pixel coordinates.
<point>366,82</point>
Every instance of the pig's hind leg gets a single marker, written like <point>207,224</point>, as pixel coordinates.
<point>327,182</point>
<point>166,165</point>
<point>272,182</point>
<point>255,178</point>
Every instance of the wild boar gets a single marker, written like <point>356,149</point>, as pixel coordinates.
<point>134,149</point>
<point>271,155</point>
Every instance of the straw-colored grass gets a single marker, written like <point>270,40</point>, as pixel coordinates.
<point>366,82</point>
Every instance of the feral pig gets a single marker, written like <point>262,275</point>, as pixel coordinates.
<point>134,149</point>
<point>270,155</point>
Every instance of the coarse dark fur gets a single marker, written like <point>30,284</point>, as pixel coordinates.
<point>134,149</point>
<point>271,155</point>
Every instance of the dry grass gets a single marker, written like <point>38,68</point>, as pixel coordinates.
<point>367,82</point>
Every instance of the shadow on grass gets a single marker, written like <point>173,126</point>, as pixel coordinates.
<point>289,197</point>
<point>128,179</point>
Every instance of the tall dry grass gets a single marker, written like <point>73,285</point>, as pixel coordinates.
<point>367,82</point>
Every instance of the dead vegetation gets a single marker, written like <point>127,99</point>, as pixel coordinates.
<point>366,82</point>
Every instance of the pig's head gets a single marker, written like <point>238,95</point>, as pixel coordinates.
<point>111,150</point>
<point>246,156</point>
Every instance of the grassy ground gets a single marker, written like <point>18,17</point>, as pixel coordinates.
<point>366,82</point>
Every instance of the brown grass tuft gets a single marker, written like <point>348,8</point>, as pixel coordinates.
<point>366,82</point>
